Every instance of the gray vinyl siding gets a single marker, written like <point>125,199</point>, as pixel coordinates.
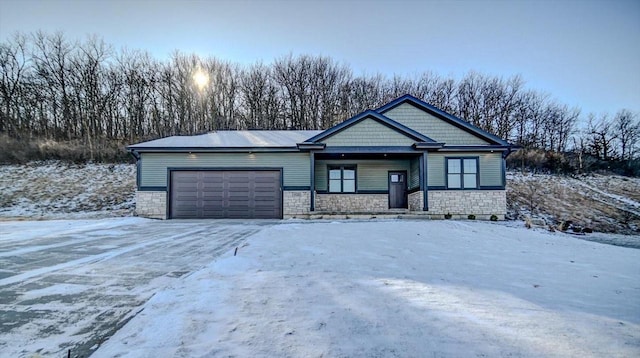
<point>296,170</point>
<point>370,174</point>
<point>414,174</point>
<point>435,169</point>
<point>366,133</point>
<point>490,167</point>
<point>431,126</point>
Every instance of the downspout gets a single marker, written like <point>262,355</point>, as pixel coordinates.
<point>312,188</point>
<point>424,182</point>
<point>136,156</point>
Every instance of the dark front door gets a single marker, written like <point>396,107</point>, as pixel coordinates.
<point>397,190</point>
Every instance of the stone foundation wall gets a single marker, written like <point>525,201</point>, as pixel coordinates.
<point>460,203</point>
<point>295,203</point>
<point>151,204</point>
<point>416,201</point>
<point>352,202</point>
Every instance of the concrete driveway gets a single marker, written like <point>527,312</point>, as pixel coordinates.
<point>69,285</point>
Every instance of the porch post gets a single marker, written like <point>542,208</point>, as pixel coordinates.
<point>312,156</point>
<point>424,183</point>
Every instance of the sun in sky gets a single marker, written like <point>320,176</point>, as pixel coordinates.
<point>201,79</point>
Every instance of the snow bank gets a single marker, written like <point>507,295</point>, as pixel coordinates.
<point>398,288</point>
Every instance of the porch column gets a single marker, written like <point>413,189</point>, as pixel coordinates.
<point>424,183</point>
<point>312,156</point>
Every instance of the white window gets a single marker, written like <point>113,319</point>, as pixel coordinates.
<point>462,173</point>
<point>342,179</point>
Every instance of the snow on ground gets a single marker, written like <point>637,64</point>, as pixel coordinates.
<point>397,289</point>
<point>58,190</point>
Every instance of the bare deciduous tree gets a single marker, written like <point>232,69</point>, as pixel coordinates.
<point>627,129</point>
<point>51,87</point>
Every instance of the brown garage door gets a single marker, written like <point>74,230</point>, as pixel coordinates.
<point>218,194</point>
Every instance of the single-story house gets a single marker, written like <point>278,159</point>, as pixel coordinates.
<point>404,157</point>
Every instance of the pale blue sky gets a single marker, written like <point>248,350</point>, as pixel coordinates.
<point>585,53</point>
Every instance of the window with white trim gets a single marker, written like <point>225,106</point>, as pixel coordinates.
<point>342,179</point>
<point>462,173</point>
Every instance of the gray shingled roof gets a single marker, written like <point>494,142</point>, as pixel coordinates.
<point>232,139</point>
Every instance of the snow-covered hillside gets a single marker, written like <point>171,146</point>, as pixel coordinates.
<point>58,190</point>
<point>604,203</point>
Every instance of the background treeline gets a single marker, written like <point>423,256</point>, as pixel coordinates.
<point>84,100</point>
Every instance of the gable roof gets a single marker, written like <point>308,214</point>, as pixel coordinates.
<point>231,139</point>
<point>378,117</point>
<point>447,117</point>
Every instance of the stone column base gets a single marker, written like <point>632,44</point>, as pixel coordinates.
<point>295,203</point>
<point>151,204</point>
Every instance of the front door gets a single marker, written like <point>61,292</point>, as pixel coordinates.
<point>398,190</point>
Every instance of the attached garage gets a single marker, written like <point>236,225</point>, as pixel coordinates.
<point>222,194</point>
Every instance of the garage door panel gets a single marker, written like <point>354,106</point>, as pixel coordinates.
<point>212,197</point>
<point>226,194</point>
<point>265,190</point>
<point>266,181</point>
<point>186,186</point>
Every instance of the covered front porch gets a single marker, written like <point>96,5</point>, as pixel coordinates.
<point>380,182</point>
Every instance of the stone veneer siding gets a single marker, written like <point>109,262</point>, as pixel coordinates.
<point>151,204</point>
<point>416,201</point>
<point>352,202</point>
<point>295,203</point>
<point>460,203</point>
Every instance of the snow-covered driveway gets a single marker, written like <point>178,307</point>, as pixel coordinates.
<point>71,284</point>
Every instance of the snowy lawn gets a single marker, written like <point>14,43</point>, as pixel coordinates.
<point>397,288</point>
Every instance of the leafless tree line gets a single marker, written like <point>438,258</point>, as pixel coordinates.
<point>55,88</point>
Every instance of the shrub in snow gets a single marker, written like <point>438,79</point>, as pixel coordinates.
<point>493,218</point>
<point>565,225</point>
<point>447,216</point>
<point>471,217</point>
<point>527,222</point>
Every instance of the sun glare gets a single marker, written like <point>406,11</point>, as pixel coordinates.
<point>201,79</point>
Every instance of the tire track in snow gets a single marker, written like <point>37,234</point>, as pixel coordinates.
<point>91,259</point>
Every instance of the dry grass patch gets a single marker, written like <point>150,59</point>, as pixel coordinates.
<point>605,203</point>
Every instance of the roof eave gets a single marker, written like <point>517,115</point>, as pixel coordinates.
<point>214,149</point>
<point>475,148</point>
<point>427,145</point>
<point>311,146</point>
